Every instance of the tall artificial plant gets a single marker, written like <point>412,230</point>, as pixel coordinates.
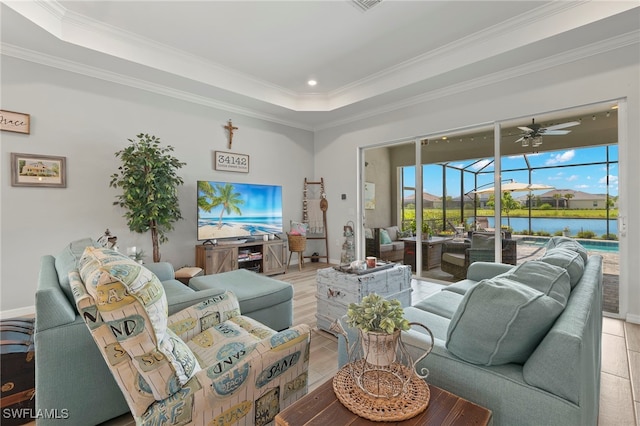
<point>149,185</point>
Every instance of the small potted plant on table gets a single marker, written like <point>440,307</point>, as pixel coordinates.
<point>380,322</point>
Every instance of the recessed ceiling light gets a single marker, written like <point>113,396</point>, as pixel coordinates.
<point>312,82</point>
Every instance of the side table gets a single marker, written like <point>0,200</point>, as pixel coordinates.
<point>431,252</point>
<point>323,407</point>
<point>184,274</point>
<point>337,289</point>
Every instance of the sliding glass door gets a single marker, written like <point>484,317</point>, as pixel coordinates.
<point>556,174</point>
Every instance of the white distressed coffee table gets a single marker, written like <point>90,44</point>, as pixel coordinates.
<point>336,289</point>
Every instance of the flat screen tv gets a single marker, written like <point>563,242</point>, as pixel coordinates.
<point>229,210</point>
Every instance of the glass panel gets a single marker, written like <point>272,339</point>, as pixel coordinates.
<point>454,166</point>
<point>408,209</point>
<point>458,175</point>
<point>389,177</point>
<point>581,168</point>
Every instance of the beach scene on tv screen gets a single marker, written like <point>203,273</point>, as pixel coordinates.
<point>236,210</point>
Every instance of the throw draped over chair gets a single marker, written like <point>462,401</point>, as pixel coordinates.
<point>457,256</point>
<point>206,364</point>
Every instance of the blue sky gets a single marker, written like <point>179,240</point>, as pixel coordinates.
<point>590,179</point>
<point>259,200</point>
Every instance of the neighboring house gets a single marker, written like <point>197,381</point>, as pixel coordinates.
<point>429,201</point>
<point>578,200</point>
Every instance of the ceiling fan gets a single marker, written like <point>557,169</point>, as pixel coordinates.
<point>534,132</point>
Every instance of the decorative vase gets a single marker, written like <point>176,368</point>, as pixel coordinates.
<point>379,348</point>
<point>380,364</point>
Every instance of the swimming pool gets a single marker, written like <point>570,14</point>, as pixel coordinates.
<point>590,245</point>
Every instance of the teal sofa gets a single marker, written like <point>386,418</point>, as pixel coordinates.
<point>523,341</point>
<point>73,383</point>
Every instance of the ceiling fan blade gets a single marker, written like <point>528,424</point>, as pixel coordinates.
<point>525,129</point>
<point>520,140</point>
<point>555,132</point>
<point>563,125</point>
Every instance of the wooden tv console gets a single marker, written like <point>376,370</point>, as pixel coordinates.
<point>267,257</point>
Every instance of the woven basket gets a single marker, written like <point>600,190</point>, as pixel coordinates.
<point>297,242</point>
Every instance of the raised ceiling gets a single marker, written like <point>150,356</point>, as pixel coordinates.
<point>255,57</point>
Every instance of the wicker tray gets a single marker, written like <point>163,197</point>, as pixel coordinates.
<point>405,406</point>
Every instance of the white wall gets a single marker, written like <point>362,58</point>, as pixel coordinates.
<point>607,76</point>
<point>87,121</point>
<point>378,172</point>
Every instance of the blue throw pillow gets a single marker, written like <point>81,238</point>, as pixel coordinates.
<point>67,260</point>
<point>551,280</point>
<point>384,237</point>
<point>569,244</point>
<point>569,260</point>
<point>500,321</point>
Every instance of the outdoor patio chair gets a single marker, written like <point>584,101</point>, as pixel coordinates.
<point>457,256</point>
<point>482,224</point>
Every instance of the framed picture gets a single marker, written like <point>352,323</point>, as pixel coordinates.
<point>230,162</point>
<point>14,121</point>
<point>38,170</point>
<point>369,196</point>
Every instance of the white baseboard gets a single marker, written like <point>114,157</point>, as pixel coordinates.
<point>20,312</point>
<point>635,319</point>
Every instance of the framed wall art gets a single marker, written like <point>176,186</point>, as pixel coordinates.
<point>369,196</point>
<point>14,121</point>
<point>38,170</point>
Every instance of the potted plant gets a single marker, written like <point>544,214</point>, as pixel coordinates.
<point>149,185</point>
<point>138,256</point>
<point>379,321</point>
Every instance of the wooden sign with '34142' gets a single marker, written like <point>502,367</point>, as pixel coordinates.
<point>231,162</point>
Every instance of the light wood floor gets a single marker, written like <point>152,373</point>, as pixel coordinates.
<point>620,377</point>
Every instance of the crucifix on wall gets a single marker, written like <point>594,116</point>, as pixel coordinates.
<point>230,128</point>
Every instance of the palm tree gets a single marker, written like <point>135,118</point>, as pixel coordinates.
<point>208,193</point>
<point>568,196</point>
<point>507,204</point>
<point>557,197</point>
<point>222,196</point>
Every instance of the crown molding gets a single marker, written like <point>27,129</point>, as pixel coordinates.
<point>85,32</point>
<point>597,48</point>
<point>482,44</point>
<point>544,21</point>
<point>98,73</point>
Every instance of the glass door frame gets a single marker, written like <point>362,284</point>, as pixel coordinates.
<point>622,218</point>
